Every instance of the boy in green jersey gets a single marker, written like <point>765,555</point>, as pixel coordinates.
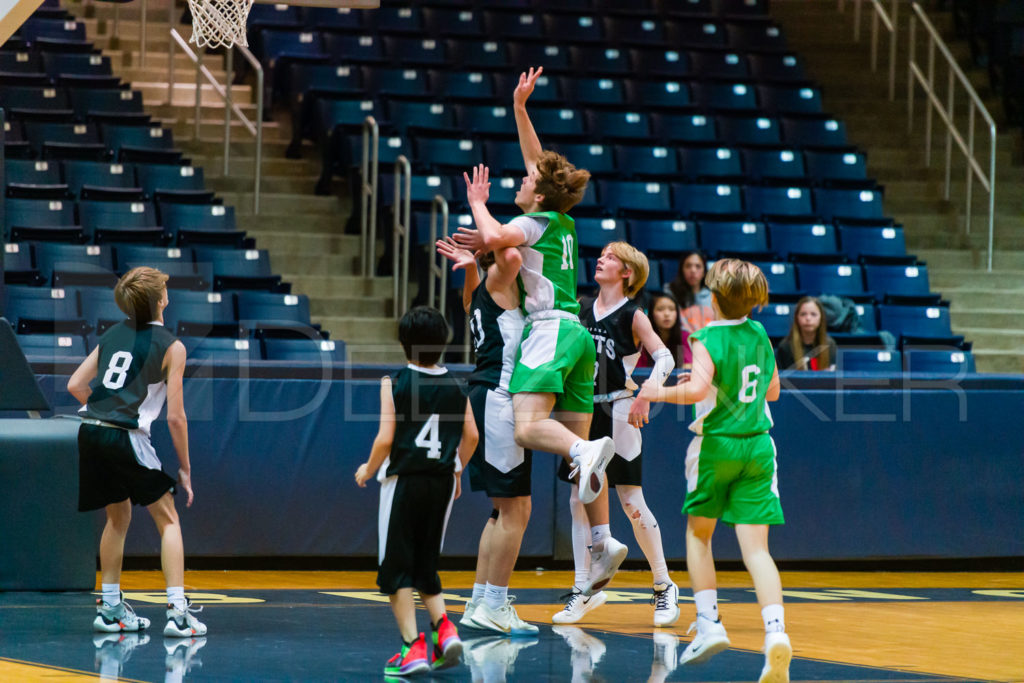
<point>555,363</point>
<point>730,464</point>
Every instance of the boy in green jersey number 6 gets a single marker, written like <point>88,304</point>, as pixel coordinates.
<point>730,463</point>
<point>555,364</point>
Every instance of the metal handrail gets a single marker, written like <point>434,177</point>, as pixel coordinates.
<point>891,22</point>
<point>369,175</point>
<point>438,274</point>
<point>224,92</point>
<point>400,231</point>
<point>946,114</point>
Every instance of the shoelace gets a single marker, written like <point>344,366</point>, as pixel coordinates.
<point>128,609</point>
<point>692,628</point>
<point>660,600</point>
<point>571,597</point>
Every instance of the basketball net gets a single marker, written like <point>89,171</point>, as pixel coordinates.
<point>217,23</point>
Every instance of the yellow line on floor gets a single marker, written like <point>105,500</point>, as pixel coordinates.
<point>30,672</point>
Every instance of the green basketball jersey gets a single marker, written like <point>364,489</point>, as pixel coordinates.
<point>547,278</point>
<point>744,365</point>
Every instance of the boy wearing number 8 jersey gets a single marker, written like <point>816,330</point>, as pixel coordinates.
<point>426,436</point>
<point>123,384</point>
<point>730,463</point>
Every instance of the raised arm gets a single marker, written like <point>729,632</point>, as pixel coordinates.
<point>489,234</point>
<point>177,423</point>
<point>528,140</point>
<point>508,262</point>
<point>385,435</point>
<point>461,258</point>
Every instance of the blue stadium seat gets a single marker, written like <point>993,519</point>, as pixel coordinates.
<point>137,137</point>
<point>659,94</point>
<point>595,91</point>
<point>31,172</point>
<point>685,127</point>
<point>98,307</point>
<point>654,281</point>
<point>640,30</point>
<point>948,362</point>
<point>790,99</point>
<point>303,350</point>
<point>635,196</point>
<point>257,309</point>
<point>354,49</point>
<point>781,277</point>
<point>34,310</point>
<point>883,240</point>
<point>97,173</point>
<point>400,19</point>
<point>719,64</point>
<point>38,212</point>
<point>432,117</point>
<point>868,314</point>
<point>503,191</point>
<point>401,82</point>
<point>659,62</point>
<point>545,91</point>
<point>827,278</point>
<point>593,234</point>
<point>750,130</point>
<point>21,61</point>
<point>53,346</point>
<point>645,160</point>
<point>201,311</point>
<point>155,178</point>
<point>422,188</point>
<point>464,21</point>
<point>19,265</point>
<point>482,54</point>
<point>776,318</point>
<point>38,133</point>
<point>825,165</point>
<point>726,95</point>
<point>707,162</point>
<point>331,113</point>
<point>514,25</point>
<point>69,265</point>
<point>238,268</point>
<point>854,202</point>
<point>770,200</point>
<point>756,36</point>
<point>814,131</point>
<point>194,223</point>
<point>39,98</point>
<point>596,158</point>
<point>178,263</point>
<point>869,360</point>
<point>35,28</point>
<point>557,122</point>
<point>776,67</point>
<point>697,34</point>
<point>463,85</point>
<point>601,61</point>
<point>695,199</point>
<point>446,153</point>
<point>98,214</point>
<point>273,16</point>
<point>740,8</point>
<point>332,78</point>
<point>774,163</point>
<point>333,18</point>
<point>274,44</point>
<point>416,51</point>
<point>91,64</point>
<point>802,238</point>
<point>896,280</point>
<point>574,28</point>
<point>91,101</point>
<point>663,237</point>
<point>504,158</point>
<point>733,237</point>
<point>219,349</point>
<point>484,119</point>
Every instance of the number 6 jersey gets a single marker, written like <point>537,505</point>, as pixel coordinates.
<point>430,407</point>
<point>130,387</point>
<point>744,365</point>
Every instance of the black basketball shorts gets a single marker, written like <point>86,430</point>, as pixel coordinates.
<point>110,470</point>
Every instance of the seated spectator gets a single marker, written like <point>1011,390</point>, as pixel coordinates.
<point>663,312</point>
<point>689,290</point>
<point>807,346</point>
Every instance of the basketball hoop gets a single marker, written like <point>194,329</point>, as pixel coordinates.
<point>217,23</point>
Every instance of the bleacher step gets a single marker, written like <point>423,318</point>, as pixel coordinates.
<point>341,285</point>
<point>994,360</point>
<point>981,298</point>
<point>354,306</point>
<point>381,353</point>
<point>155,92</point>
<point>997,339</point>
<point>963,259</point>
<point>272,184</point>
<point>358,330</point>
<point>953,277</point>
<point>242,165</point>
<point>323,264</point>
<point>281,244</point>
<point>297,206</point>
<point>286,223</point>
<point>987,318</point>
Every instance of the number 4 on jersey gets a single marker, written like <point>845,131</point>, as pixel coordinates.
<point>427,438</point>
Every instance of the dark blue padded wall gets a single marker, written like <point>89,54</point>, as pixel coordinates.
<point>872,468</point>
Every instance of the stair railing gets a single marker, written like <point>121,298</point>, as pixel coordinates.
<point>255,128</point>
<point>401,232</point>
<point>438,274</point>
<point>890,19</point>
<point>946,112</point>
<point>369,176</point>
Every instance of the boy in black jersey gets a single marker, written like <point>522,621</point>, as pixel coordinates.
<point>426,436</point>
<point>122,386</point>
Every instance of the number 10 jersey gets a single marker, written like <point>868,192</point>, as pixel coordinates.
<point>130,386</point>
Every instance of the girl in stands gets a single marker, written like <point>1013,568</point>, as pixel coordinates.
<point>694,297</point>
<point>663,312</point>
<point>807,346</point>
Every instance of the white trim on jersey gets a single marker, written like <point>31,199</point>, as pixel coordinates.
<point>510,324</point>
<point>500,448</point>
<point>599,318</point>
<point>447,514</point>
<point>692,466</point>
<point>775,469</point>
<point>540,346</point>
<point>151,406</point>
<point>726,323</point>
<point>436,370</point>
<point>702,409</point>
<point>145,454</point>
<point>387,499</point>
<point>531,227</point>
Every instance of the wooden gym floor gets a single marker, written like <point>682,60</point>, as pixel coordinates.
<point>849,626</point>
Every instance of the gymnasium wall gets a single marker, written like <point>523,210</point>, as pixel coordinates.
<point>869,468</point>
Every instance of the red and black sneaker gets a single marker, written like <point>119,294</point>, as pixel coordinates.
<point>447,644</point>
<point>411,660</point>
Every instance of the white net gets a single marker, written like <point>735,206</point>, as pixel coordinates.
<point>217,23</point>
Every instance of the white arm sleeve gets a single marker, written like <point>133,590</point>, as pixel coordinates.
<point>664,364</point>
<point>532,229</point>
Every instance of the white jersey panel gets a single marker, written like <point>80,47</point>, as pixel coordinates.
<point>511,324</point>
<point>151,406</point>
<point>540,291</point>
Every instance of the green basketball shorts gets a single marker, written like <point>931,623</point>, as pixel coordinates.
<point>557,356</point>
<point>733,478</point>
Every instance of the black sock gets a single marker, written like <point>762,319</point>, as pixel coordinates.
<point>438,624</point>
<point>407,644</point>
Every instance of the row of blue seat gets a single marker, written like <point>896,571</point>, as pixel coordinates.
<point>915,321</point>
<point>77,174</point>
<point>54,347</point>
<point>65,104</point>
<point>46,137</point>
<point>22,65</point>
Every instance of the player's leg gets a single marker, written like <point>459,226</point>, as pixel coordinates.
<point>536,429</point>
<point>433,505</point>
<point>497,612</point>
<point>483,558</point>
<point>113,614</point>
<point>181,621</point>
<point>711,637</point>
<point>576,603</point>
<point>403,606</point>
<point>648,537</point>
<point>413,657</point>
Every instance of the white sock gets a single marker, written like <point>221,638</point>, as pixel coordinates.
<point>478,592</point>
<point>707,603</point>
<point>111,594</point>
<point>495,596</point>
<point>645,528</point>
<point>580,538</point>
<point>598,534</point>
<point>176,597</point>
<point>574,449</point>
<point>774,621</point>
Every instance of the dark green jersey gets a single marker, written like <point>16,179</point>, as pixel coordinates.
<point>430,407</point>
<point>744,365</point>
<point>130,387</point>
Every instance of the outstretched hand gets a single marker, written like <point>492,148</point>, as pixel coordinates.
<point>478,189</point>
<point>451,250</point>
<point>524,89</point>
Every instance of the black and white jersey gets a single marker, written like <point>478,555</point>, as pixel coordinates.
<point>430,407</point>
<point>130,386</point>
<point>496,336</point>
<point>616,353</point>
